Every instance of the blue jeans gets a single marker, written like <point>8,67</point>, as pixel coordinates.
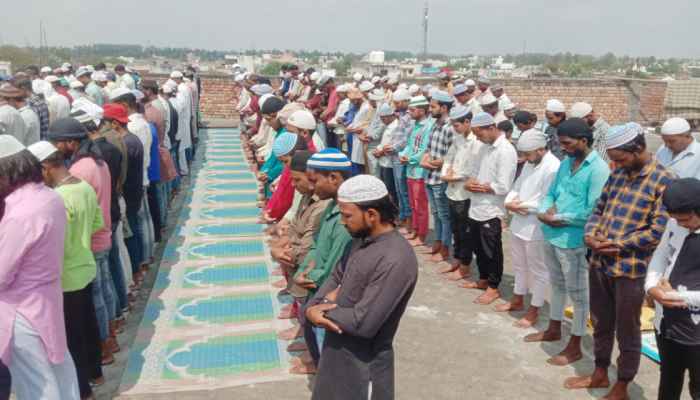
<point>401,190</point>
<point>134,243</point>
<point>568,275</point>
<point>320,335</point>
<point>103,294</point>
<point>440,209</point>
<point>33,375</point>
<point>115,269</point>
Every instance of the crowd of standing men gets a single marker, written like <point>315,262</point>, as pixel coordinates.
<point>586,204</point>
<point>90,160</point>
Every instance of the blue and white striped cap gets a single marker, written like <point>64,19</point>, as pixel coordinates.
<point>284,144</point>
<point>329,159</point>
<point>442,96</point>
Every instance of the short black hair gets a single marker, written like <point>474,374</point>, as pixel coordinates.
<point>150,85</point>
<point>388,212</point>
<point>100,66</point>
<point>120,67</point>
<point>446,104</point>
<point>24,84</point>
<point>127,98</point>
<point>505,126</point>
<point>637,145</point>
<point>88,148</point>
<point>33,68</point>
<point>16,171</point>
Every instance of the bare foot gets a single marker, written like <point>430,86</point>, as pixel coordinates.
<point>618,392</point>
<point>459,274</point>
<point>303,369</point>
<point>437,257</point>
<point>586,382</point>
<point>303,358</point>
<point>449,268</point>
<point>481,284</point>
<point>291,333</point>
<point>529,319</point>
<point>297,346</point>
<point>544,336</point>
<point>509,306</point>
<point>565,358</point>
<point>488,297</point>
<point>416,242</point>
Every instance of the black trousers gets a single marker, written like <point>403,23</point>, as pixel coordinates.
<point>486,237</point>
<point>461,234</point>
<point>5,382</point>
<point>82,336</point>
<point>154,205</point>
<point>676,358</point>
<point>387,175</point>
<point>331,138</point>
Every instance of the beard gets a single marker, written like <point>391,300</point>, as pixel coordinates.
<point>360,233</point>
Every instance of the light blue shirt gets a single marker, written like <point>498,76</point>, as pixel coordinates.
<point>574,195</point>
<point>686,164</point>
<point>416,147</point>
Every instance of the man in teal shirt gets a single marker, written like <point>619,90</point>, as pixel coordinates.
<point>326,171</point>
<point>563,213</point>
<point>272,168</point>
<point>411,157</point>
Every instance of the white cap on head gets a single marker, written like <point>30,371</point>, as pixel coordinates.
<point>385,110</point>
<point>366,86</point>
<point>9,146</point>
<point>482,119</point>
<point>362,188</point>
<point>51,79</point>
<point>620,135</point>
<point>554,105</point>
<point>118,92</point>
<point>302,119</point>
<point>532,139</point>
<point>176,75</point>
<point>315,76</point>
<point>375,79</point>
<point>509,106</point>
<point>580,110</point>
<point>413,89</point>
<point>82,71</point>
<point>46,70</point>
<point>487,99</point>
<point>470,82</point>
<point>357,77</point>
<point>675,126</point>
<point>342,88</point>
<point>401,94</point>
<point>42,150</point>
<point>91,109</point>
<point>393,81</point>
<point>76,84</point>
<point>99,76</point>
<point>376,95</point>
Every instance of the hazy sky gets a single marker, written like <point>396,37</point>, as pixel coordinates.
<point>634,27</point>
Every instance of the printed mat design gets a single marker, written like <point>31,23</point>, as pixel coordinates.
<point>210,321</point>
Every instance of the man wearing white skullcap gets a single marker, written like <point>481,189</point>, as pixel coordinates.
<point>457,167</point>
<point>680,152</point>
<point>124,78</point>
<point>489,104</point>
<point>555,114</point>
<point>388,118</point>
<point>497,162</point>
<point>622,232</point>
<point>357,120</point>
<point>359,329</point>
<point>596,122</point>
<point>527,240</point>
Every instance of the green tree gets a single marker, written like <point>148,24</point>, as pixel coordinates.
<point>271,69</point>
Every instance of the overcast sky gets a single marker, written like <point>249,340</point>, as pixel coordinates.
<point>634,27</point>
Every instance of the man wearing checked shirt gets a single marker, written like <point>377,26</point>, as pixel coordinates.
<point>623,231</point>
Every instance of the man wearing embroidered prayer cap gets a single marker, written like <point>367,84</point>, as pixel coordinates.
<point>489,104</point>
<point>674,283</point>
<point>622,232</point>
<point>360,306</point>
<point>387,116</point>
<point>411,157</point>
<point>596,122</point>
<point>326,171</point>
<point>489,183</point>
<point>563,214</point>
<point>680,152</point>
<point>527,241</point>
<point>555,114</point>
<point>441,137</point>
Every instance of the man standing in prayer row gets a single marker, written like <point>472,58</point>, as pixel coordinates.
<point>555,113</point>
<point>563,213</point>
<point>496,162</point>
<point>527,241</point>
<point>361,304</point>
<point>10,118</point>
<point>680,152</point>
<point>596,122</point>
<point>623,232</point>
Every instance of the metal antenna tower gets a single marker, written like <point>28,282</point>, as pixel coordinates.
<point>425,31</point>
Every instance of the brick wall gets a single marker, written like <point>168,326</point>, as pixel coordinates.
<point>617,100</point>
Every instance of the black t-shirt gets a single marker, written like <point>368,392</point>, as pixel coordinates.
<point>682,325</point>
<point>133,185</point>
<point>113,158</point>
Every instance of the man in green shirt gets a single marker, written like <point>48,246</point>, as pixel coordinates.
<point>326,171</point>
<point>84,218</point>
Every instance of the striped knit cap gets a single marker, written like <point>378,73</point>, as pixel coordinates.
<point>329,159</point>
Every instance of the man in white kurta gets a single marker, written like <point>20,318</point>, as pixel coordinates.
<point>680,152</point>
<point>527,240</point>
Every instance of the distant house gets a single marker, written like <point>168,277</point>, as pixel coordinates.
<point>5,68</point>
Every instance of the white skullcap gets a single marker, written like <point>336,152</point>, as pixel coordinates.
<point>39,86</point>
<point>118,92</point>
<point>401,95</point>
<point>342,88</point>
<point>82,71</point>
<point>413,89</point>
<point>9,146</point>
<point>393,81</point>
<point>482,119</point>
<point>302,119</point>
<point>176,75</point>
<point>375,79</point>
<point>580,110</point>
<point>376,95</point>
<point>366,86</point>
<point>91,109</point>
<point>357,77</point>
<point>459,112</point>
<point>168,89</point>
<point>485,79</point>
<point>42,150</point>
<point>509,106</point>
<point>675,126</point>
<point>263,98</point>
<point>487,99</point>
<point>403,85</point>
<point>620,135</point>
<point>532,139</point>
<point>362,188</point>
<point>66,65</point>
<point>76,84</point>
<point>51,79</point>
<point>46,70</point>
<point>261,89</point>
<point>99,76</point>
<point>470,82</point>
<point>239,78</point>
<point>554,105</point>
<point>315,76</point>
<point>385,110</point>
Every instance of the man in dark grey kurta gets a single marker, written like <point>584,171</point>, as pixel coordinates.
<point>362,302</point>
